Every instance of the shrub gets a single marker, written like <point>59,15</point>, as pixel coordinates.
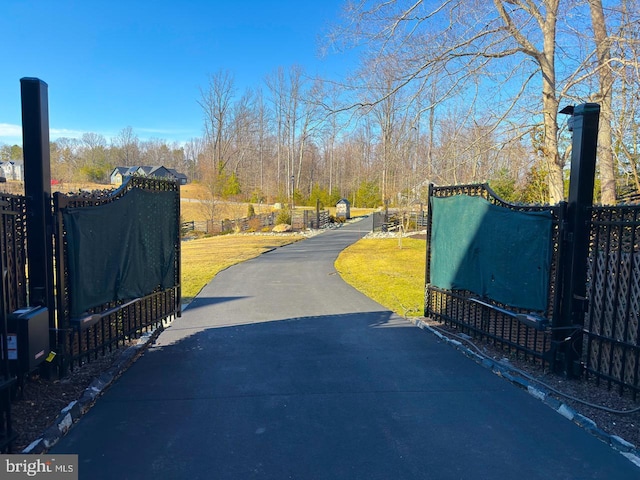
<point>251,212</point>
<point>368,195</point>
<point>257,197</point>
<point>255,224</point>
<point>284,216</point>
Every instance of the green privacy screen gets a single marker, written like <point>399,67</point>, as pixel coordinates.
<point>121,250</point>
<point>492,251</point>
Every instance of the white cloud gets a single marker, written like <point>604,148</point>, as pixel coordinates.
<point>10,133</point>
<point>55,133</point>
<point>9,130</point>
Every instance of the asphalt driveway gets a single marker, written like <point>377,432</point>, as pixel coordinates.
<point>279,370</point>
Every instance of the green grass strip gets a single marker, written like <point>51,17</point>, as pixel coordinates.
<point>390,275</point>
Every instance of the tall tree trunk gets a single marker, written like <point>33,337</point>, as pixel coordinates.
<point>546,60</point>
<point>605,98</point>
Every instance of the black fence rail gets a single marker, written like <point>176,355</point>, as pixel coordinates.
<point>253,224</point>
<point>421,219</point>
<point>387,221</point>
<point>81,336</point>
<point>611,336</point>
<point>301,220</point>
<point>487,319</point>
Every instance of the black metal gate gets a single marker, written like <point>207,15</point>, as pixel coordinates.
<point>107,325</point>
<point>505,326</point>
<point>594,308</point>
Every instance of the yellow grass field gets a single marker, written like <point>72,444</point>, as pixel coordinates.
<point>392,276</point>
<point>192,210</point>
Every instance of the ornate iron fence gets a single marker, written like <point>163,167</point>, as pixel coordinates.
<point>102,327</point>
<point>485,318</point>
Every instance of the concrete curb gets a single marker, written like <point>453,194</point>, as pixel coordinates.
<point>629,450</point>
<point>76,409</point>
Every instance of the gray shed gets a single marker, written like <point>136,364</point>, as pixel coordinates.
<point>343,209</point>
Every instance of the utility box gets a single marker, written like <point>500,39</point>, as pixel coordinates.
<point>28,338</point>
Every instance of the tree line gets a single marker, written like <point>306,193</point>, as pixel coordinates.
<point>446,92</point>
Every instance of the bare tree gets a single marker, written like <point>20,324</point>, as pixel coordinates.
<point>65,163</point>
<point>261,117</point>
<point>545,15</point>
<point>276,84</point>
<point>95,165</point>
<point>216,103</point>
<point>194,155</point>
<point>460,40</point>
<point>129,145</point>
<point>390,116</point>
<point>291,123</point>
<point>208,202</point>
<point>243,131</point>
<point>626,121</point>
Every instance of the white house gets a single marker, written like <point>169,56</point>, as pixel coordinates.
<point>12,170</point>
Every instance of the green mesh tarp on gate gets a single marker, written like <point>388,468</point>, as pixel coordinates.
<point>121,250</point>
<point>495,252</point>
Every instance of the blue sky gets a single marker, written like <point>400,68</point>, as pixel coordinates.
<point>110,64</point>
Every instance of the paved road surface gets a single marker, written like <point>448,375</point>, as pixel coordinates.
<point>279,370</point>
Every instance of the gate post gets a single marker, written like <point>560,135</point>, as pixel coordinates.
<point>568,328</point>
<point>37,185</point>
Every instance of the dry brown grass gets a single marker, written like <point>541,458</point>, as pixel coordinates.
<point>193,190</point>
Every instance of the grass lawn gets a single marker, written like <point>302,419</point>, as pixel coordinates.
<point>202,259</point>
<point>392,276</point>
